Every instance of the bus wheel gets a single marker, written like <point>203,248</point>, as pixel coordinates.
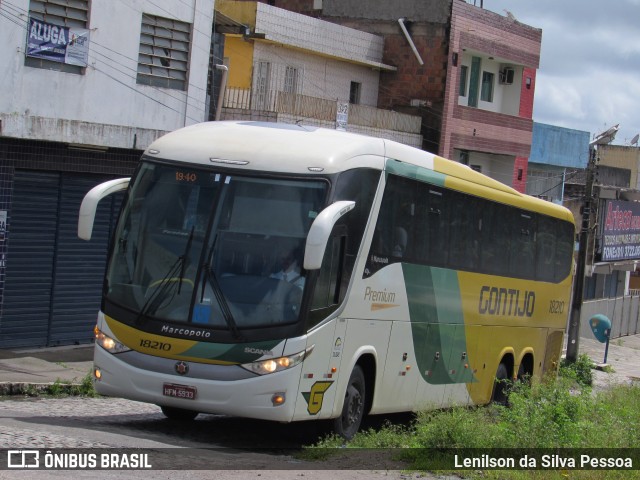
<point>523,376</point>
<point>174,413</point>
<point>501,387</point>
<point>348,423</point>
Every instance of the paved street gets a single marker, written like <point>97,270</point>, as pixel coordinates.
<point>77,422</point>
<point>234,448</point>
<point>39,423</point>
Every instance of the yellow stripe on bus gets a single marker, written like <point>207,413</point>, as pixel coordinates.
<point>158,345</point>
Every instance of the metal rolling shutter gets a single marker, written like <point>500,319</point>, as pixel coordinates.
<point>79,265</point>
<point>53,279</point>
<point>30,254</point>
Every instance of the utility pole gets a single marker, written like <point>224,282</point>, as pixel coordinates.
<point>573,333</point>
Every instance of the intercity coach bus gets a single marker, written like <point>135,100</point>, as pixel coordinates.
<point>291,273</point>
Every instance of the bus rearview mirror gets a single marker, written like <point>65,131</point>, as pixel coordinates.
<point>321,230</point>
<point>90,202</point>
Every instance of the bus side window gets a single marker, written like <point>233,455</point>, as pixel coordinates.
<point>394,229</point>
<point>564,247</point>
<point>546,249</point>
<point>523,254</point>
<point>496,238</point>
<point>464,231</point>
<point>432,243</point>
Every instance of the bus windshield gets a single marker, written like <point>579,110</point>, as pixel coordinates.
<point>213,249</point>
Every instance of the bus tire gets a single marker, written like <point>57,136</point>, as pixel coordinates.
<point>174,413</point>
<point>500,386</point>
<point>348,423</point>
<point>523,376</point>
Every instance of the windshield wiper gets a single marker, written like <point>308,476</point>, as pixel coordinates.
<point>209,275</point>
<point>183,259</point>
<point>163,287</point>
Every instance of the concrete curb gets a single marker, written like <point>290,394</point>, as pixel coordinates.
<point>36,389</point>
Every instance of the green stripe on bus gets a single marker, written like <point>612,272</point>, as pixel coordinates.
<point>413,171</point>
<point>233,353</point>
<point>437,324</point>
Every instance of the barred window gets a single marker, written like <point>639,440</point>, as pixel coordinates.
<point>262,73</point>
<point>164,52</point>
<point>291,80</point>
<point>66,13</point>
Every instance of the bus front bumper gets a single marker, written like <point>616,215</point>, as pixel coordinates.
<point>249,397</point>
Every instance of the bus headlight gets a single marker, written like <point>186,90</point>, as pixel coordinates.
<point>108,343</point>
<point>277,364</point>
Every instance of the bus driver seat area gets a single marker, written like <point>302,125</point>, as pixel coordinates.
<point>255,296</point>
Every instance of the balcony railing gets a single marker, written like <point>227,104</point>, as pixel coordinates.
<point>304,106</point>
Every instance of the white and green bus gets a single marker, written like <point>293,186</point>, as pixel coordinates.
<point>291,273</point>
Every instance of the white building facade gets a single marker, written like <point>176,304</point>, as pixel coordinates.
<point>106,102</point>
<point>87,85</point>
<point>293,68</point>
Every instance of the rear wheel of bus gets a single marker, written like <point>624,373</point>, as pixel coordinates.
<point>348,423</point>
<point>501,386</point>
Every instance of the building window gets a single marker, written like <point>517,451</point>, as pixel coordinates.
<point>354,93</point>
<point>65,13</point>
<point>291,80</point>
<point>486,93</point>
<point>262,73</point>
<point>464,70</point>
<point>164,52</point>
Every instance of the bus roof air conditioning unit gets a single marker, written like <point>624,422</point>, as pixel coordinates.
<point>506,75</point>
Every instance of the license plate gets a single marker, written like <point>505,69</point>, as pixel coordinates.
<point>179,391</point>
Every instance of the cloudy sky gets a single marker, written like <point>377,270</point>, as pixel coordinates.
<point>589,74</point>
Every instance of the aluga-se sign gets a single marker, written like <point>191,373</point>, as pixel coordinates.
<point>58,43</point>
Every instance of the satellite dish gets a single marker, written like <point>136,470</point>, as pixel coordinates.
<point>634,140</point>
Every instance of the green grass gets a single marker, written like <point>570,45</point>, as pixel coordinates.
<point>60,388</point>
<point>580,371</point>
<point>560,412</point>
<point>84,388</point>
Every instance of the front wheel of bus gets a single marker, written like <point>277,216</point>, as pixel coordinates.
<point>348,423</point>
<point>174,413</point>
